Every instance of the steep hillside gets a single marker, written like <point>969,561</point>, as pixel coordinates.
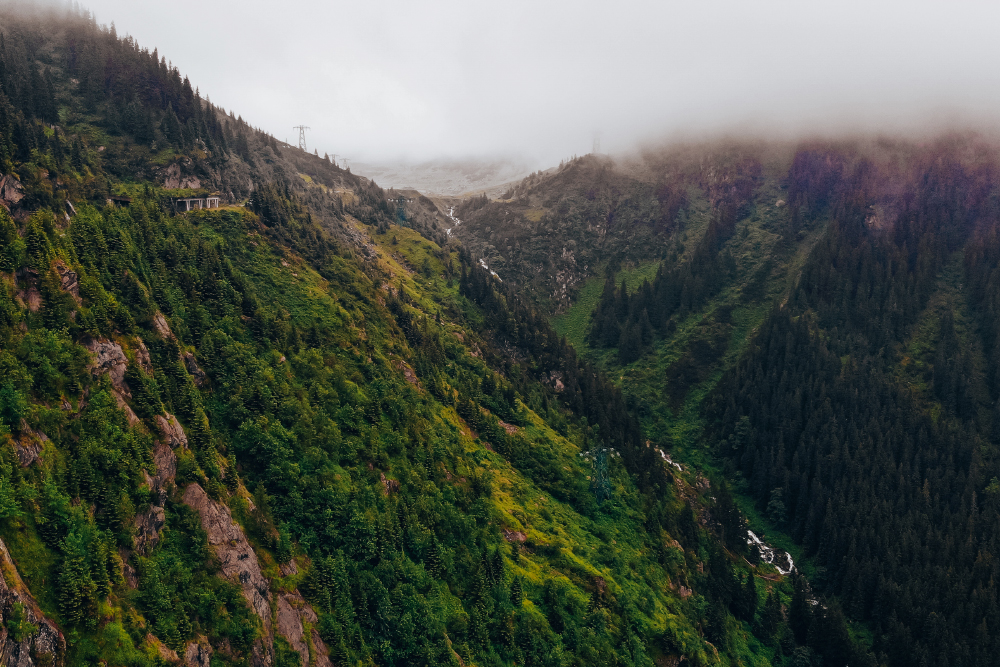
<point>296,430</point>
<point>826,338</point>
<point>86,115</point>
<point>555,229</point>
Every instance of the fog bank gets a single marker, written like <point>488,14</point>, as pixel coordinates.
<point>384,80</point>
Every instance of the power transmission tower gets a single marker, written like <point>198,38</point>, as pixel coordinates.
<point>597,143</point>
<point>333,159</point>
<point>600,481</point>
<point>302,135</point>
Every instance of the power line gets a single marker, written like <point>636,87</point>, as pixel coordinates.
<point>302,135</point>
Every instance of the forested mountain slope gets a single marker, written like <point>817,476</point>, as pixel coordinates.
<point>294,432</point>
<point>828,338</point>
<point>556,229</point>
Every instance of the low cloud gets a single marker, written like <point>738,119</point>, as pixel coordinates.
<point>380,80</point>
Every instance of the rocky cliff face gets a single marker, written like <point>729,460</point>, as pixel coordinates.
<point>149,523</point>
<point>109,358</point>
<point>27,638</point>
<point>295,623</point>
<point>238,562</point>
<point>198,654</point>
<point>295,618</point>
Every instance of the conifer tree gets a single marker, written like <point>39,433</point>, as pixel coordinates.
<point>770,617</point>
<point>516,594</point>
<point>433,560</point>
<point>800,611</point>
<point>77,591</point>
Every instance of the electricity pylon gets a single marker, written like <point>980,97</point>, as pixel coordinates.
<point>600,481</point>
<point>302,135</point>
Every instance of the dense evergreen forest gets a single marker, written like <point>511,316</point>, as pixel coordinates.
<point>298,430</point>
<point>822,329</point>
<point>868,402</point>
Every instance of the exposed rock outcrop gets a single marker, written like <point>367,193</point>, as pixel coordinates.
<point>554,380</point>
<point>194,370</point>
<point>44,645</point>
<point>11,191</point>
<point>174,176</point>
<point>161,326</point>
<point>142,356</point>
<point>172,431</point>
<point>110,359</point>
<point>408,373</point>
<point>391,485</point>
<point>29,445</point>
<point>514,535</point>
<point>510,428</point>
<point>69,281</point>
<point>293,613</point>
<point>198,654</point>
<point>149,523</point>
<point>237,560</point>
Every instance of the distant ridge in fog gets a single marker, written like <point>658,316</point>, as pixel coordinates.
<point>446,176</point>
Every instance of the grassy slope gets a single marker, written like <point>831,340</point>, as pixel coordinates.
<point>584,541</point>
<point>574,322</point>
<point>754,244</point>
<point>578,545</point>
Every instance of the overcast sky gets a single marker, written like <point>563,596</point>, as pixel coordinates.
<point>381,79</point>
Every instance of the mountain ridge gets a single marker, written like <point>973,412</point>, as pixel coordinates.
<point>297,429</point>
<point>819,329</point>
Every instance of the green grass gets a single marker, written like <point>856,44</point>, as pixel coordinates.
<point>579,543</point>
<point>575,321</point>
<point>35,562</point>
<point>757,248</point>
